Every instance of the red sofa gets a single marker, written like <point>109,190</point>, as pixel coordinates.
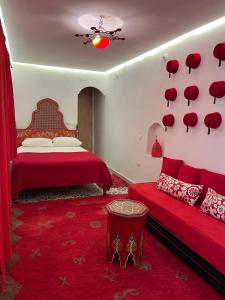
<point>201,233</point>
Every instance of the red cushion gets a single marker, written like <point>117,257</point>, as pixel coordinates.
<point>202,233</point>
<point>214,181</point>
<point>189,174</point>
<point>171,166</point>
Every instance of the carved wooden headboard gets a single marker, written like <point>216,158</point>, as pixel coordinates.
<point>47,121</point>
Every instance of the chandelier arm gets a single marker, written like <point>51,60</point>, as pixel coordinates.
<point>87,42</point>
<point>118,38</point>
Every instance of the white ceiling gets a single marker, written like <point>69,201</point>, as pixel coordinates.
<point>42,31</point>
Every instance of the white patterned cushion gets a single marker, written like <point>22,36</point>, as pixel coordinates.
<point>214,204</point>
<point>186,192</point>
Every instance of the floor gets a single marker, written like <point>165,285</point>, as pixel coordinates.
<point>58,238</point>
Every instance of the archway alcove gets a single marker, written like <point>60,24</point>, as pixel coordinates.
<point>155,130</point>
<point>90,118</point>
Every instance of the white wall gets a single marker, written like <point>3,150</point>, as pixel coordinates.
<point>135,99</point>
<point>32,84</point>
<point>133,104</point>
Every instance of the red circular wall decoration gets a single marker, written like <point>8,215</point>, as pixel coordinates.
<point>191,93</point>
<point>168,121</point>
<point>170,95</point>
<point>193,60</point>
<point>217,90</point>
<point>213,121</point>
<point>190,120</point>
<point>219,52</point>
<point>172,66</point>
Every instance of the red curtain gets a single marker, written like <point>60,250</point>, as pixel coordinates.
<point>7,152</point>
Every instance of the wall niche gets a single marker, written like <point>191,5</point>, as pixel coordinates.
<point>155,131</point>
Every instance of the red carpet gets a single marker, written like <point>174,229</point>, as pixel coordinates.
<point>118,182</point>
<point>59,251</point>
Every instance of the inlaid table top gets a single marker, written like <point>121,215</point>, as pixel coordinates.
<point>127,208</point>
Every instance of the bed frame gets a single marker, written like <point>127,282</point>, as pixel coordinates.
<point>213,276</point>
<point>47,121</point>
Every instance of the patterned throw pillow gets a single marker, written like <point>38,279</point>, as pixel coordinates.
<point>214,204</point>
<point>186,192</point>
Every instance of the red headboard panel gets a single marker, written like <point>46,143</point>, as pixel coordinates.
<point>47,121</point>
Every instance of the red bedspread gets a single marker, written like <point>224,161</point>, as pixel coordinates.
<point>35,170</point>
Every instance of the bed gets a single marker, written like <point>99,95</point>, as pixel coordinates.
<point>39,167</point>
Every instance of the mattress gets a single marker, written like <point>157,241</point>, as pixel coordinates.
<point>22,149</point>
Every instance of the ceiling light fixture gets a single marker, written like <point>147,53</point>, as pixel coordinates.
<point>100,38</point>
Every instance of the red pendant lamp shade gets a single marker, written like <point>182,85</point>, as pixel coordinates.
<point>168,121</point>
<point>172,66</point>
<point>191,93</point>
<point>213,121</point>
<point>217,90</point>
<point>193,60</point>
<point>101,42</point>
<point>170,95</point>
<point>219,52</point>
<point>190,120</point>
<point>156,149</point>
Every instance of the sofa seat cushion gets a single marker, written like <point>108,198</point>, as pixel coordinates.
<point>203,234</point>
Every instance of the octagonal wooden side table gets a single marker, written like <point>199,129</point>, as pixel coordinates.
<point>125,231</point>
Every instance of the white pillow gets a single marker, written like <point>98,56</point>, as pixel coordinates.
<point>214,204</point>
<point>186,192</point>
<point>66,142</point>
<point>37,142</point>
